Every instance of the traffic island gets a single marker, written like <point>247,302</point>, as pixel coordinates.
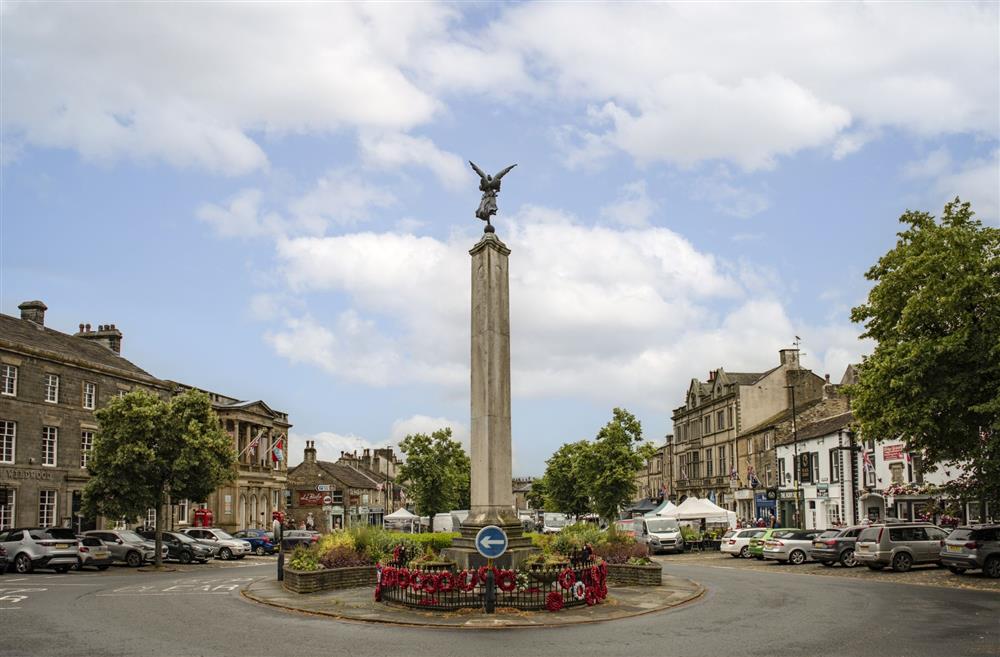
<point>358,604</point>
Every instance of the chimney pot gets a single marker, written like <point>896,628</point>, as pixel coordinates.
<point>33,311</point>
<point>828,378</point>
<point>81,328</point>
<point>88,328</point>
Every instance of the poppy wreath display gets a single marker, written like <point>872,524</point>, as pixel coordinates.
<point>579,590</point>
<point>506,580</point>
<point>482,573</point>
<point>378,593</point>
<point>467,580</point>
<point>378,574</point>
<point>446,582</point>
<point>567,578</point>
<point>388,576</point>
<point>554,601</point>
<point>431,582</point>
<point>403,578</point>
<point>417,579</point>
<point>592,598</point>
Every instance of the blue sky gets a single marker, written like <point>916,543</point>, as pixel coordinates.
<point>273,201</point>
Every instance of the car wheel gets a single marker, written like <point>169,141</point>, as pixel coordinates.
<point>185,557</point>
<point>79,564</point>
<point>61,569</point>
<point>225,554</point>
<point>874,566</point>
<point>847,559</point>
<point>992,567</point>
<point>133,559</point>
<point>828,564</point>
<point>259,551</point>
<point>902,562</point>
<point>105,567</point>
<point>744,552</point>
<point>957,571</point>
<point>797,557</point>
<point>22,564</point>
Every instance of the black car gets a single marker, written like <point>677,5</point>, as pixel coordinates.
<point>3,560</point>
<point>181,547</point>
<point>292,538</point>
<point>836,547</point>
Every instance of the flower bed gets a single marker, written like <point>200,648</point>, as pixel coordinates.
<point>628,574</point>
<point>328,579</point>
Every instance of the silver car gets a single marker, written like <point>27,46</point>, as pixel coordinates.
<point>40,547</point>
<point>93,552</point>
<point>229,547</point>
<point>791,545</point>
<point>127,546</point>
<point>973,547</point>
<point>899,545</point>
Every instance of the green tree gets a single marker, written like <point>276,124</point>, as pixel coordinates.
<point>536,496</point>
<point>934,376</point>
<point>437,471</point>
<point>148,450</point>
<point>616,454</point>
<point>564,485</point>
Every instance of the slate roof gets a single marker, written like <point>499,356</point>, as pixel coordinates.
<point>826,426</point>
<point>747,378</point>
<point>64,347</point>
<point>781,417</point>
<point>353,478</point>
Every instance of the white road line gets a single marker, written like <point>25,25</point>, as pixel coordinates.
<point>111,595</point>
<point>6,608</point>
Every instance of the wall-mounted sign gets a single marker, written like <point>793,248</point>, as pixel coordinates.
<point>822,490</point>
<point>805,468</point>
<point>892,452</point>
<point>310,498</point>
<point>323,488</point>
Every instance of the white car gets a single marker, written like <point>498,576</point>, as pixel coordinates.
<point>662,535</point>
<point>553,523</point>
<point>228,547</point>
<point>737,541</point>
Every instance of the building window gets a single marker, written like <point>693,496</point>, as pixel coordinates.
<point>52,388</point>
<point>182,511</point>
<point>8,440</point>
<point>767,475</point>
<point>122,393</point>
<point>707,420</point>
<point>8,380</point>
<point>708,462</point>
<point>722,462</point>
<point>7,510</point>
<point>720,420</point>
<point>89,395</point>
<point>781,472</point>
<point>749,445</point>
<point>151,517</point>
<point>815,467</point>
<point>767,441</point>
<point>731,422</point>
<point>86,444</point>
<point>834,466</point>
<point>50,436</point>
<point>832,515</point>
<point>274,499</point>
<point>46,508</point>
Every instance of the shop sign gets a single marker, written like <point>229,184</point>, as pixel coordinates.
<point>892,452</point>
<point>337,510</point>
<point>310,498</point>
<point>323,488</point>
<point>788,494</point>
<point>17,473</point>
<point>822,490</point>
<point>805,468</point>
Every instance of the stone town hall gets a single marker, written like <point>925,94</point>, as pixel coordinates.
<point>50,385</point>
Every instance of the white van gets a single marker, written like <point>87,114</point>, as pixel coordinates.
<point>553,523</point>
<point>662,535</point>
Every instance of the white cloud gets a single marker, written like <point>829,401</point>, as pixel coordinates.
<point>936,163</point>
<point>851,142</point>
<point>976,180</point>
<point>395,150</point>
<point>241,217</point>
<point>727,197</point>
<point>423,424</point>
<point>632,208</point>
<point>341,197</point>
<point>329,445</point>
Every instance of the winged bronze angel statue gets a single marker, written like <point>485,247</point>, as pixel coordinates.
<point>490,187</point>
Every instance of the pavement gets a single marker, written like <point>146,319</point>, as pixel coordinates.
<point>359,605</point>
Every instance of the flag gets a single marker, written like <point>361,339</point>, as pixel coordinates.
<point>732,472</point>
<point>276,454</point>
<point>869,466</point>
<point>684,473</point>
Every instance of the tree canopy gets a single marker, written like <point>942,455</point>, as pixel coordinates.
<point>934,376</point>
<point>147,449</point>
<point>564,485</point>
<point>436,471</point>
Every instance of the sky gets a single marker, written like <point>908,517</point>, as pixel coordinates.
<point>273,201</point>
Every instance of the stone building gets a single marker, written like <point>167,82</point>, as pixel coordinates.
<point>334,495</point>
<point>521,487</point>
<point>52,382</point>
<point>705,457</point>
<point>649,479</point>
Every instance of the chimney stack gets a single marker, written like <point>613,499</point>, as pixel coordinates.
<point>33,311</point>
<point>106,334</point>
<point>789,357</point>
<point>309,455</point>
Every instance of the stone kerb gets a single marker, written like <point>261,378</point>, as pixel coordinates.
<point>328,579</point>
<point>627,574</point>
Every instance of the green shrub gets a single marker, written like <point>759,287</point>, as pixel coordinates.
<point>690,534</point>
<point>304,558</point>
<point>573,537</point>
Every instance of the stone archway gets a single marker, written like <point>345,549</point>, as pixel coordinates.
<point>243,512</point>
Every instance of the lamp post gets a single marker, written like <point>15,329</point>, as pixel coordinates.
<point>795,458</point>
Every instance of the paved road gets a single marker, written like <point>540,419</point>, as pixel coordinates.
<point>745,612</point>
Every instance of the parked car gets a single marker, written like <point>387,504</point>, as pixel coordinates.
<point>756,544</point>
<point>836,546</point>
<point>93,552</point>
<point>791,545</point>
<point>553,523</point>
<point>40,547</point>
<point>229,547</point>
<point>127,546</point>
<point>3,560</point>
<point>181,547</point>
<point>662,535</point>
<point>737,541</point>
<point>972,547</point>
<point>293,538</point>
<point>899,545</point>
<point>260,541</point>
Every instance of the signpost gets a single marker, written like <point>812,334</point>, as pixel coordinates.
<point>491,542</point>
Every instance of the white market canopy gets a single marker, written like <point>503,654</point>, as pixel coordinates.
<point>662,510</point>
<point>400,514</point>
<point>694,508</point>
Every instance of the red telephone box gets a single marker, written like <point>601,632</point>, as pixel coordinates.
<point>203,518</point>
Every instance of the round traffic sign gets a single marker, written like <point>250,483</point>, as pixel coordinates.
<point>327,500</point>
<point>491,541</point>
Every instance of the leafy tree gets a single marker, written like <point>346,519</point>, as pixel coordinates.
<point>934,376</point>
<point>536,496</point>
<point>610,467</point>
<point>565,487</point>
<point>148,449</point>
<point>437,470</point>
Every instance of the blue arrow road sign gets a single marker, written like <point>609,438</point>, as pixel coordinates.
<point>491,541</point>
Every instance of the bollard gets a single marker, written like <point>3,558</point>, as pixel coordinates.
<point>491,593</point>
<point>281,563</point>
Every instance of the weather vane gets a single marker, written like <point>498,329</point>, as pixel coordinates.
<point>490,187</point>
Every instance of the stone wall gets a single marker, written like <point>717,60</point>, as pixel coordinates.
<point>301,581</point>
<point>631,575</point>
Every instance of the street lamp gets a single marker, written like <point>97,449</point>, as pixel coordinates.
<point>795,458</point>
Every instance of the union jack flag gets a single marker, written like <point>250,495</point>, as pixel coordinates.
<point>866,458</point>
<point>684,473</point>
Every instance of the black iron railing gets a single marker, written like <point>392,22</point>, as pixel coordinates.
<point>533,588</point>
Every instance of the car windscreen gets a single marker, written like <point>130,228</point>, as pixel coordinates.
<point>183,538</point>
<point>91,541</point>
<point>960,535</point>
<point>869,534</point>
<point>131,537</point>
<point>782,533</point>
<point>659,525</point>
<point>223,535</point>
<point>830,533</point>
<point>61,533</point>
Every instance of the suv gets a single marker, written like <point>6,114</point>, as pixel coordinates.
<point>40,547</point>
<point>259,540</point>
<point>127,546</point>
<point>737,541</point>
<point>229,547</point>
<point>899,545</point>
<point>973,546</point>
<point>181,547</point>
<point>93,552</point>
<point>828,550</point>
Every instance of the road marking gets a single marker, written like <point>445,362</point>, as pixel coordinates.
<point>11,595</point>
<point>213,585</point>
